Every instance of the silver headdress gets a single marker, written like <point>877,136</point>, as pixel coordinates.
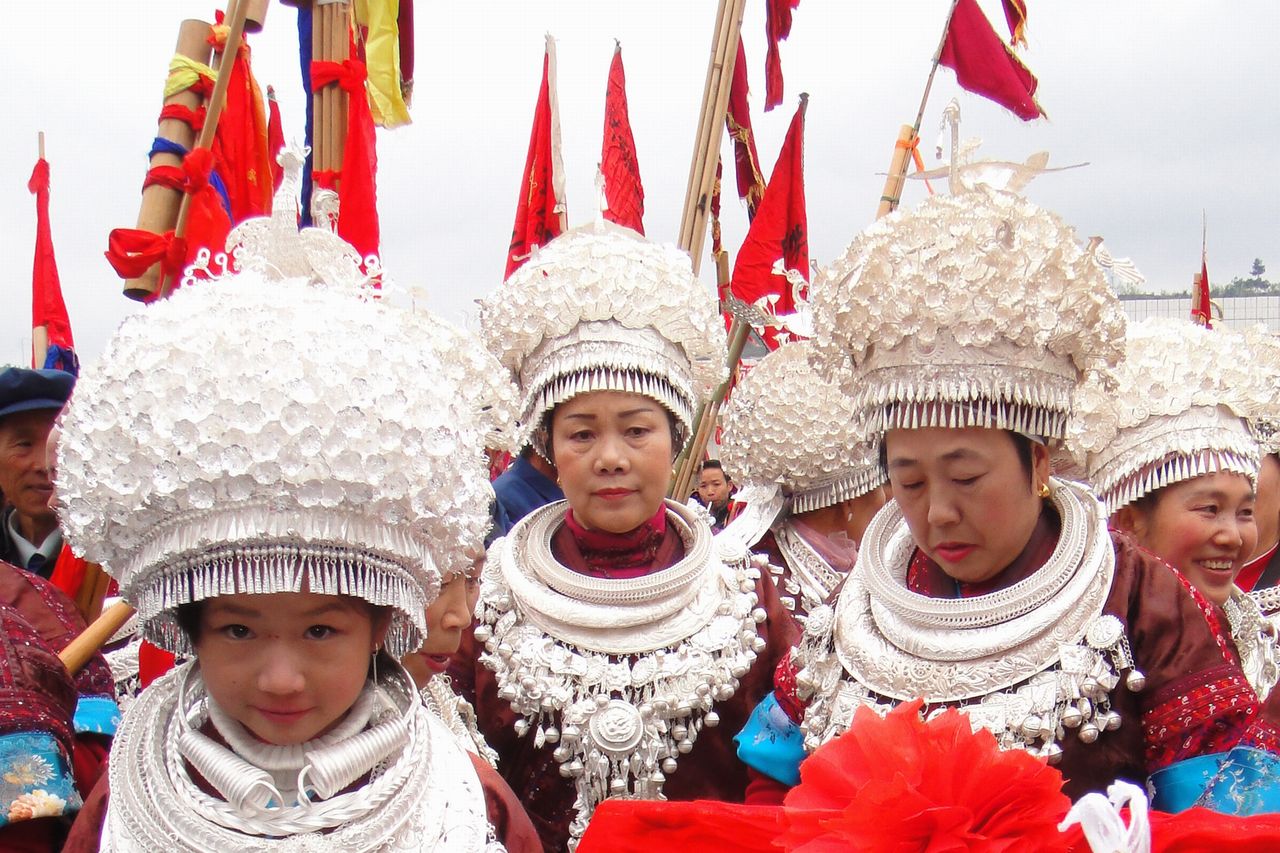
<point>1178,412</point>
<point>1264,363</point>
<point>600,308</point>
<point>978,309</point>
<point>789,427</point>
<point>281,427</point>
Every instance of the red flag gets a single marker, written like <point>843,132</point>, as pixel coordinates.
<point>623,191</point>
<point>1015,15</point>
<point>738,122</point>
<point>275,137</point>
<point>777,26</point>
<point>779,231</point>
<point>1201,310</point>
<point>985,65</point>
<point>47,307</point>
<point>540,212</point>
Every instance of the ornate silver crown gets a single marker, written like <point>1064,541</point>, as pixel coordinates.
<point>978,309</point>
<point>1179,411</point>
<point>277,426</point>
<point>788,426</point>
<point>600,308</point>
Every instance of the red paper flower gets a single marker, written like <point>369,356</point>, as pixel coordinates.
<point>898,784</point>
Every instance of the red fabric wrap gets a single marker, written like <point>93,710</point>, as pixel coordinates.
<point>131,251</point>
<point>358,200</point>
<point>182,112</point>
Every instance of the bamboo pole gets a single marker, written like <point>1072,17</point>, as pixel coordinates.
<point>213,111</point>
<point>160,205</point>
<point>702,173</point>
<point>902,147</point>
<point>256,16</point>
<point>83,647</point>
<point>39,334</point>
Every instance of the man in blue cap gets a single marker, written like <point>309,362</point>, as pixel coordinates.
<point>30,401</point>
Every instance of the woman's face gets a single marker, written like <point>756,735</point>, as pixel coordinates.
<point>1203,527</point>
<point>290,665</point>
<point>613,451</point>
<point>968,500</point>
<point>447,617</point>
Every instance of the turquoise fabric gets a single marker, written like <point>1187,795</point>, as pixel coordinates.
<point>1244,781</point>
<point>35,778</point>
<point>771,743</point>
<point>96,715</point>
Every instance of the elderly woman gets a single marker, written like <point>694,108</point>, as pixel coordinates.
<point>624,646</point>
<point>280,470</point>
<point>987,584</point>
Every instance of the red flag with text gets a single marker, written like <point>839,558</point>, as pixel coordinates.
<point>623,190</point>
<point>985,65</point>
<point>47,306</point>
<point>779,231</point>
<point>540,211</point>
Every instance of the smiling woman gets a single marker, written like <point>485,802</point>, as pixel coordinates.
<point>586,601</point>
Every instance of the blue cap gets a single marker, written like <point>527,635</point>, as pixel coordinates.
<point>23,390</point>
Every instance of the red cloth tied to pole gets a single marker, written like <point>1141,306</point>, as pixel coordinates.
<point>131,252</point>
<point>275,138</point>
<point>985,65</point>
<point>779,231</point>
<point>777,26</point>
<point>623,190</point>
<point>48,308</point>
<point>358,198</point>
<point>182,112</point>
<point>240,147</point>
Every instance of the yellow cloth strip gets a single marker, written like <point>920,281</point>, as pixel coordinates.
<point>382,57</point>
<point>183,74</point>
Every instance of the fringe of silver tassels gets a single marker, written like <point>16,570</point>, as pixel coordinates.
<point>270,569</point>
<point>846,488</point>
<point>1173,468</point>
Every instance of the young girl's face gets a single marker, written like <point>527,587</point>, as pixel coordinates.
<point>1203,527</point>
<point>447,617</point>
<point>287,666</point>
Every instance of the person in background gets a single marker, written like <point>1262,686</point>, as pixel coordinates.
<point>30,401</point>
<point>529,483</point>
<point>715,489</point>
<point>1262,572</point>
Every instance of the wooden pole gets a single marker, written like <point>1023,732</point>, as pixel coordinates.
<point>256,16</point>
<point>39,334</point>
<point>213,111</point>
<point>82,648</point>
<point>902,147</point>
<point>160,205</point>
<point>702,173</point>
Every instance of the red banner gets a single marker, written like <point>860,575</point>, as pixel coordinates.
<point>777,26</point>
<point>540,211</point>
<point>47,306</point>
<point>985,65</point>
<point>779,232</point>
<point>623,190</point>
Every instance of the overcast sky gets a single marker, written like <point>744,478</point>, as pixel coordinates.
<point>1176,104</point>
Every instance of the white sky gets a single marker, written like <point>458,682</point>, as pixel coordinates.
<point>1176,104</point>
